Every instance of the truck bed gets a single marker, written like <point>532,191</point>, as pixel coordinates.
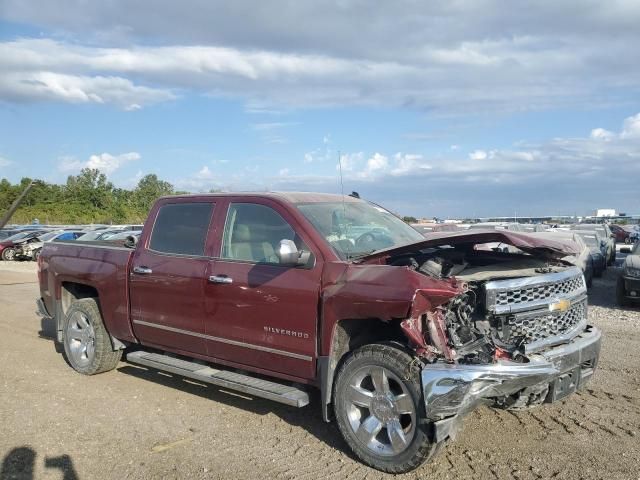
<point>103,266</point>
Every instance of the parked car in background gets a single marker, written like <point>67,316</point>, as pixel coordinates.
<point>594,242</point>
<point>8,245</point>
<point>426,228</point>
<point>31,250</point>
<point>4,234</point>
<point>622,234</point>
<point>628,284</point>
<point>607,237</point>
<point>584,259</point>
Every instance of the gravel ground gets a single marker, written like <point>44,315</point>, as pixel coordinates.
<point>136,423</point>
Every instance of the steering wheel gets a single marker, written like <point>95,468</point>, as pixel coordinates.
<point>365,239</point>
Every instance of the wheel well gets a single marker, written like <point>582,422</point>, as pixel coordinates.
<point>349,335</point>
<point>71,291</point>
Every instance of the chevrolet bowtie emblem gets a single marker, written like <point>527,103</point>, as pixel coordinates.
<point>560,305</point>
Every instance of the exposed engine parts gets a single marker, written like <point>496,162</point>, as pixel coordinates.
<point>511,304</point>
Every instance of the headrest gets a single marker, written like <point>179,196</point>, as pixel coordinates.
<point>241,233</point>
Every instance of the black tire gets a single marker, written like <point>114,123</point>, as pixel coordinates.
<point>9,254</point>
<point>100,358</point>
<point>36,254</point>
<point>621,297</point>
<point>420,447</point>
<point>627,240</point>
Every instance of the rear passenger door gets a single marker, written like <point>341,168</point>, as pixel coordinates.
<point>168,277</point>
<point>260,313</point>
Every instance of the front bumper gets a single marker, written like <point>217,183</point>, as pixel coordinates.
<point>451,391</point>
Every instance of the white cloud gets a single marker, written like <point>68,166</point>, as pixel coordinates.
<point>602,134</point>
<point>5,162</point>
<point>283,172</point>
<point>105,162</point>
<point>631,127</point>
<point>478,155</point>
<point>350,161</point>
<point>276,61</point>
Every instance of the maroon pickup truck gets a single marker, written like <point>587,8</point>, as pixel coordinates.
<point>280,294</point>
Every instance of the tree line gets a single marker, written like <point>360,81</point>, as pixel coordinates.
<point>88,197</point>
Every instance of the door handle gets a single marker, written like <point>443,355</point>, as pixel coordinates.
<point>220,279</point>
<point>142,270</point>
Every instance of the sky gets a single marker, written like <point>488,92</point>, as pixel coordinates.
<point>442,108</point>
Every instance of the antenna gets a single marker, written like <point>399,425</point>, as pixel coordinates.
<point>344,207</point>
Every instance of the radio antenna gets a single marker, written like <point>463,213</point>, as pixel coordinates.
<point>344,206</point>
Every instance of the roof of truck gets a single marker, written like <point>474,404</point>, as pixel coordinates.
<point>293,197</point>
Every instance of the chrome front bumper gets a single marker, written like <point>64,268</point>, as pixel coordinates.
<point>451,391</point>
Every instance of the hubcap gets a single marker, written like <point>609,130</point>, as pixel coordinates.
<point>10,254</point>
<point>80,339</point>
<point>380,410</point>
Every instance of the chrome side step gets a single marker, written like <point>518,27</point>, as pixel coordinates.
<point>277,392</point>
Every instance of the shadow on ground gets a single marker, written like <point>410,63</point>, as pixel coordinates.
<point>19,464</point>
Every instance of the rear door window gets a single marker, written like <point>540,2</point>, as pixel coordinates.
<point>181,228</point>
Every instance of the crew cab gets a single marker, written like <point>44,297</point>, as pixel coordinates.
<point>279,295</point>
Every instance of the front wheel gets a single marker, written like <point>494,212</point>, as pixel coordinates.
<point>9,254</point>
<point>380,409</point>
<point>87,345</point>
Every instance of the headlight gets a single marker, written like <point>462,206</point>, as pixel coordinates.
<point>632,272</point>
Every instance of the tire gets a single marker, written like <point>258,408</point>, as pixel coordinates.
<point>355,387</point>
<point>621,298</point>
<point>36,255</point>
<point>87,345</point>
<point>627,240</point>
<point>9,254</point>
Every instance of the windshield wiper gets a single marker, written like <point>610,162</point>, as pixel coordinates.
<point>360,255</point>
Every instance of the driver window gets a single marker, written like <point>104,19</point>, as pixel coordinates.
<point>252,233</point>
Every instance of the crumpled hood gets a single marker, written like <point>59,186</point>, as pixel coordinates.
<point>540,247</point>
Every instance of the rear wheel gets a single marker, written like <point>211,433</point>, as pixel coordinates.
<point>9,254</point>
<point>621,293</point>
<point>380,410</point>
<point>87,345</point>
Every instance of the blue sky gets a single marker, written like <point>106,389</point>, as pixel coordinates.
<point>455,109</point>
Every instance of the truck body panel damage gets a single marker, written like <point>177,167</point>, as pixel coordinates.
<point>483,323</point>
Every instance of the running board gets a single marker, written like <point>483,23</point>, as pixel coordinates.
<point>223,378</point>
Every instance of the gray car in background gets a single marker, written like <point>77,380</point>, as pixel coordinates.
<point>608,238</point>
<point>628,285</point>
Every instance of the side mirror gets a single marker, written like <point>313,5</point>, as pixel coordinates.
<point>625,250</point>
<point>288,254</point>
<point>131,241</point>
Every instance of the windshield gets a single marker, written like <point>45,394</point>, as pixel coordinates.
<point>590,240</point>
<point>358,228</point>
<point>17,236</point>
<point>48,236</point>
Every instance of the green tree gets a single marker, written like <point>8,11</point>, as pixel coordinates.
<point>149,189</point>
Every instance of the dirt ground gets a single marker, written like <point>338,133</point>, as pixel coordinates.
<point>136,423</point>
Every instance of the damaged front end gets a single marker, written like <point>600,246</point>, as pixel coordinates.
<point>515,336</point>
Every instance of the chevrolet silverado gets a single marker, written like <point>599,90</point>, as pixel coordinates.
<point>280,294</point>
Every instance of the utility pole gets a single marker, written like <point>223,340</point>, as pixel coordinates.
<point>14,206</point>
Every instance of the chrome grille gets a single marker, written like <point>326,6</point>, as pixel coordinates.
<point>522,309</point>
<point>529,329</point>
<point>540,292</point>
